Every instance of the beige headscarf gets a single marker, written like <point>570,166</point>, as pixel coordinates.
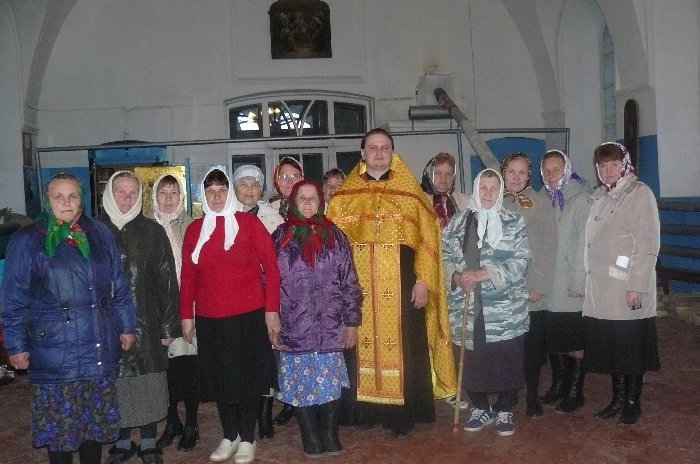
<point>118,218</point>
<point>165,219</point>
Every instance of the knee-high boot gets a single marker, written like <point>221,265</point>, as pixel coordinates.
<point>265,427</point>
<point>632,409</point>
<point>329,414</point>
<point>560,370</point>
<point>574,393</point>
<point>618,399</point>
<point>307,417</point>
<point>532,400</point>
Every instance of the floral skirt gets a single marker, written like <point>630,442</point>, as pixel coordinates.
<point>311,378</point>
<point>64,415</point>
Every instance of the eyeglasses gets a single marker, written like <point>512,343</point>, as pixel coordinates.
<point>286,177</point>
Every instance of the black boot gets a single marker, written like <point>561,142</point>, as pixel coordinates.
<point>171,431</point>
<point>284,415</point>
<point>190,435</point>
<point>265,428</point>
<point>618,399</point>
<point>329,415</point>
<point>574,393</point>
<point>533,406</point>
<point>632,409</point>
<point>560,370</point>
<point>307,417</point>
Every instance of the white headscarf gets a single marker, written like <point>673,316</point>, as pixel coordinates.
<point>209,222</point>
<point>489,226</point>
<point>248,170</point>
<point>164,219</point>
<point>555,194</point>
<point>118,218</point>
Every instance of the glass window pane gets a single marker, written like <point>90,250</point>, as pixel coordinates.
<point>346,160</point>
<point>349,118</point>
<point>244,122</point>
<point>313,166</point>
<point>286,118</point>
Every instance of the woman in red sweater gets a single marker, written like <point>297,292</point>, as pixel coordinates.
<point>230,274</point>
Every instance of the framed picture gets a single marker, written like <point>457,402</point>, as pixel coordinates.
<point>300,29</point>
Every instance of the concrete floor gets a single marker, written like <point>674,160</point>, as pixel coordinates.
<point>669,430</point>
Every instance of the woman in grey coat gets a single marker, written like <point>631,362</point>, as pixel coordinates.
<point>571,202</point>
<point>541,229</point>
<point>622,242</point>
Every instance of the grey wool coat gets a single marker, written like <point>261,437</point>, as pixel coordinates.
<point>622,243</point>
<point>569,273</point>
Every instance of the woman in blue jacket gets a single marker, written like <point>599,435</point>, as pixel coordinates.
<point>67,313</point>
<point>319,311</point>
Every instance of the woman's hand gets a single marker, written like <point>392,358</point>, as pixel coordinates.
<point>419,295</point>
<point>274,327</point>
<point>534,297</point>
<point>634,300</point>
<point>187,329</point>
<point>350,337</point>
<point>468,279</point>
<point>127,341</point>
<point>166,341</point>
<point>20,360</point>
<point>573,294</point>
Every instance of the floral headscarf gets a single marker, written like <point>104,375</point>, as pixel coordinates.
<point>69,232</point>
<point>627,164</point>
<point>311,233</point>
<point>555,194</point>
<point>489,226</point>
<point>165,219</point>
<point>522,199</point>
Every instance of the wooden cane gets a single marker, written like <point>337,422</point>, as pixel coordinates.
<point>460,370</point>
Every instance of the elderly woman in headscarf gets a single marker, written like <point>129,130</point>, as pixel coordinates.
<point>287,173</point>
<point>67,313</point>
<point>168,210</point>
<point>438,183</point>
<point>565,330</point>
<point>248,182</point>
<point>622,243</point>
<point>230,275</point>
<point>142,386</point>
<point>320,311</point>
<point>486,254</point>
<point>520,197</point>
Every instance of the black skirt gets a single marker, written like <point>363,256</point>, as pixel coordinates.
<point>495,367</point>
<point>182,377</point>
<point>621,347</point>
<point>566,332</point>
<point>235,360</point>
<point>536,341</point>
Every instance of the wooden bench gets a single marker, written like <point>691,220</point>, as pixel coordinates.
<point>666,273</point>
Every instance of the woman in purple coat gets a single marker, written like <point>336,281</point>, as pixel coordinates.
<point>319,310</point>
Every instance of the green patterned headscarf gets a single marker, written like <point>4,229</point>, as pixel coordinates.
<point>69,232</point>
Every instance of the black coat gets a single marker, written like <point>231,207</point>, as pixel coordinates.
<point>150,268</point>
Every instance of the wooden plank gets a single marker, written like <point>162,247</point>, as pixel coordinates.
<point>681,229</point>
<point>685,252</point>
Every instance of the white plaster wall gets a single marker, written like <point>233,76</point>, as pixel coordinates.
<point>161,69</point>
<point>676,41</point>
<point>11,173</point>
<point>580,80</point>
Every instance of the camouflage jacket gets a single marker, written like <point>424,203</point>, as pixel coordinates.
<point>504,297</point>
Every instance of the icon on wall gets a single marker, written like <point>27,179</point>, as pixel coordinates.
<point>300,29</point>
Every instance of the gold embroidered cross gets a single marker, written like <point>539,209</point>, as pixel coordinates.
<point>366,342</point>
<point>377,222</point>
<point>388,294</point>
<point>389,343</point>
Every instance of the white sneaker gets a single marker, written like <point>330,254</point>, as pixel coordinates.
<point>246,452</point>
<point>452,400</point>
<point>225,449</point>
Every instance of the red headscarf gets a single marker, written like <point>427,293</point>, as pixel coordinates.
<point>311,233</point>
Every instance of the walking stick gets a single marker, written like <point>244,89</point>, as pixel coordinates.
<point>460,370</point>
